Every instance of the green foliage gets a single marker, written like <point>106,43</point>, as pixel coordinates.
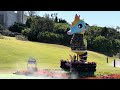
<point>9,33</point>
<point>104,32</point>
<point>21,37</point>
<point>85,42</point>
<point>61,28</point>
<point>40,24</point>
<point>49,37</point>
<point>56,19</point>
<point>44,29</point>
<point>62,21</point>
<point>89,40</point>
<point>17,27</point>
<point>94,28</point>
<point>26,31</point>
<point>103,39</point>
<point>1,36</point>
<point>115,46</point>
<point>100,44</point>
<point>28,22</point>
<point>29,34</point>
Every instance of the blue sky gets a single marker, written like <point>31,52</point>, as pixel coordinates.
<point>100,18</point>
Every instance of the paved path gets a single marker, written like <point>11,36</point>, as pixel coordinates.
<point>117,63</point>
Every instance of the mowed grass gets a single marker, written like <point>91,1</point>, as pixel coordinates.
<point>14,55</point>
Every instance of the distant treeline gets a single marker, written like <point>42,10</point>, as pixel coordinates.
<point>104,40</point>
<point>54,30</point>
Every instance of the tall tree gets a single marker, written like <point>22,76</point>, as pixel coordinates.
<point>118,28</point>
<point>56,19</point>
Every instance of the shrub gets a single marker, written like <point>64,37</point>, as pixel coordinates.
<point>61,28</point>
<point>21,37</point>
<point>40,24</point>
<point>9,33</point>
<point>28,22</point>
<point>50,37</point>
<point>45,30</point>
<point>115,46</point>
<point>26,31</point>
<point>30,34</point>
<point>17,27</point>
<point>1,36</point>
<point>6,33</point>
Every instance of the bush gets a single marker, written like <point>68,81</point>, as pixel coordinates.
<point>45,30</point>
<point>17,27</point>
<point>21,37</point>
<point>26,31</point>
<point>115,46</point>
<point>28,22</point>
<point>101,44</point>
<point>46,37</point>
<point>40,24</point>
<point>49,37</point>
<point>1,36</point>
<point>9,33</point>
<point>31,35</point>
<point>61,28</point>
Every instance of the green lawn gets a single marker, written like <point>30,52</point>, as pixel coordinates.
<point>15,53</point>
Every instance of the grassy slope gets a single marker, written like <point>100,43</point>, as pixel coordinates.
<point>15,53</point>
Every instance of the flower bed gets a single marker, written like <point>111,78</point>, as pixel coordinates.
<point>82,68</point>
<point>45,73</point>
<point>110,76</point>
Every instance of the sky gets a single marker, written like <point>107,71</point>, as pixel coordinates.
<point>99,18</point>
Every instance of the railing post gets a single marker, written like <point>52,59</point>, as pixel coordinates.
<point>114,62</point>
<point>107,59</point>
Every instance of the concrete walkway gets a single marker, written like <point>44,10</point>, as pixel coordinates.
<point>117,63</point>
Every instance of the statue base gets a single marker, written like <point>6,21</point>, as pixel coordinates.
<point>83,69</point>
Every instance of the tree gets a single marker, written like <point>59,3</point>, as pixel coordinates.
<point>104,32</point>
<point>118,28</point>
<point>28,22</point>
<point>47,16</point>
<point>17,27</point>
<point>101,44</point>
<point>52,17</point>
<point>56,19</point>
<point>39,24</point>
<point>62,20</point>
<point>115,46</point>
<point>42,24</point>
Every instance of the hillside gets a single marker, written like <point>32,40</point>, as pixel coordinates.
<point>15,53</point>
